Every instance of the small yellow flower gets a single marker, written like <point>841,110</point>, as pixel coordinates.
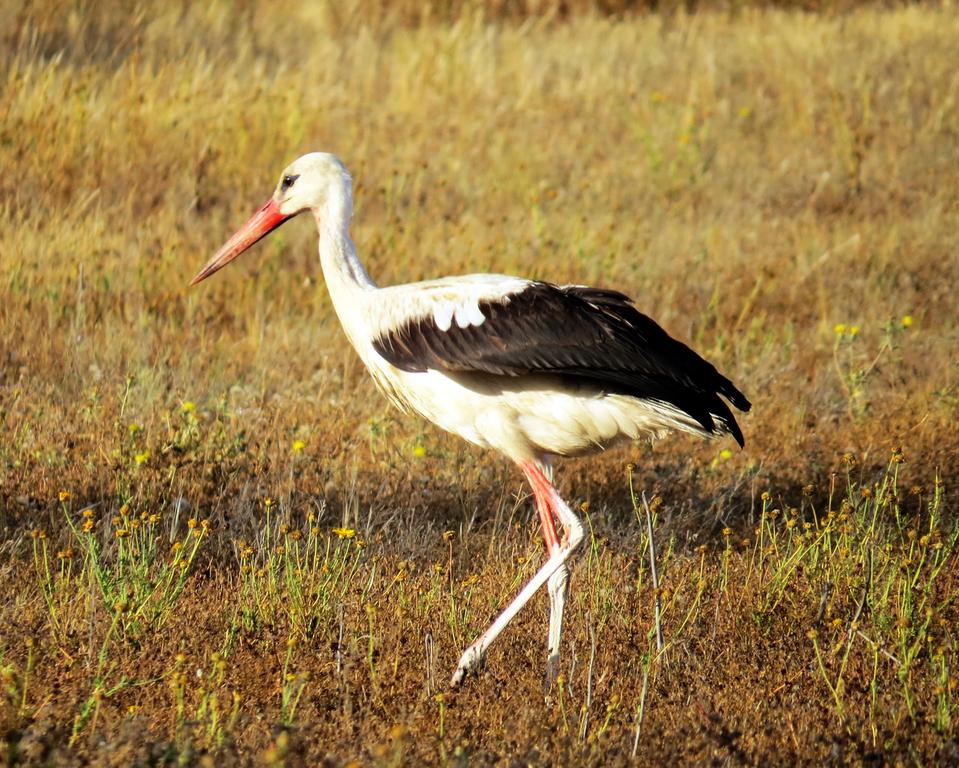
<point>65,496</point>
<point>133,709</point>
<point>175,547</point>
<point>725,454</point>
<point>298,446</point>
<point>744,112</point>
<point>142,458</point>
<point>122,533</point>
<point>268,502</point>
<point>906,321</point>
<point>344,533</point>
<point>854,330</point>
<point>134,428</point>
<point>187,406</point>
<point>840,329</point>
<point>727,532</point>
<point>419,451</point>
<point>448,535</point>
<point>87,526</point>
<point>191,523</point>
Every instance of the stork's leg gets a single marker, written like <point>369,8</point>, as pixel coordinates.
<point>473,655</point>
<point>557,586</point>
<point>558,582</point>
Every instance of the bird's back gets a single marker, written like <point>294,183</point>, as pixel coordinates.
<point>508,334</point>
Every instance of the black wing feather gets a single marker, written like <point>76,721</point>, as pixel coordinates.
<point>587,335</point>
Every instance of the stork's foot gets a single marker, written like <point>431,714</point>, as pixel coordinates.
<point>552,671</point>
<point>470,662</point>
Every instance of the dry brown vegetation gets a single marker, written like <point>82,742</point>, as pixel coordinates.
<point>218,541</point>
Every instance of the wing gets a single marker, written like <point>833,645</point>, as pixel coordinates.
<point>586,335</point>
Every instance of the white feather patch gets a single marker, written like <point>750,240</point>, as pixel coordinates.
<point>443,316</point>
<point>469,314</point>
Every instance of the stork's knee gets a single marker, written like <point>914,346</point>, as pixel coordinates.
<point>557,583</point>
<point>575,535</point>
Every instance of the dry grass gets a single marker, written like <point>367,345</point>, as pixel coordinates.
<point>778,189</point>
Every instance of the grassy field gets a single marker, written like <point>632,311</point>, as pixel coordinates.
<point>218,544</point>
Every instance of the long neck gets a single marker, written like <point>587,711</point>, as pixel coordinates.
<point>346,279</point>
<point>341,266</point>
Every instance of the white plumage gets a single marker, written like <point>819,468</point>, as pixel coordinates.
<point>529,369</point>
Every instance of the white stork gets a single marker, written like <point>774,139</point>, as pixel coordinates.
<point>528,368</point>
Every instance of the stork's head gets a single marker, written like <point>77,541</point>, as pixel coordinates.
<point>316,182</point>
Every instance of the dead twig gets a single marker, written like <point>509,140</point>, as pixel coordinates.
<point>657,604</point>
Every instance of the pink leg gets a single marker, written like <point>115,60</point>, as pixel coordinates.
<point>546,520</point>
<point>549,572</point>
<point>558,583</point>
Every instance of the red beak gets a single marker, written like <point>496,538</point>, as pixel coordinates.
<point>259,226</point>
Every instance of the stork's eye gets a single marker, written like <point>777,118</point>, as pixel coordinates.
<point>287,182</point>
